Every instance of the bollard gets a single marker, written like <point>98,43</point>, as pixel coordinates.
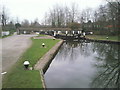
<point>106,37</point>
<point>53,38</point>
<point>43,44</point>
<point>66,32</point>
<point>26,65</point>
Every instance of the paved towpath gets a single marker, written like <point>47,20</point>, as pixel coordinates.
<point>12,48</point>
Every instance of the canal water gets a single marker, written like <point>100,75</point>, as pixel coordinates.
<point>85,65</point>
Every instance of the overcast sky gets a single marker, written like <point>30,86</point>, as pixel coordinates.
<point>32,9</point>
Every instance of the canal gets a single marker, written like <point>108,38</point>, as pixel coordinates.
<point>85,65</point>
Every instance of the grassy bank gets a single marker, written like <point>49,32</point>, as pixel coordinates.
<point>41,35</point>
<point>103,37</point>
<point>20,78</point>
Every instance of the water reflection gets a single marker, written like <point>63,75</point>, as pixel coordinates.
<point>108,64</point>
<point>85,65</point>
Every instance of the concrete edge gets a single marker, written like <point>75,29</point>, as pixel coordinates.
<point>42,79</point>
<point>48,56</point>
<point>0,64</point>
<point>103,41</point>
<point>51,55</point>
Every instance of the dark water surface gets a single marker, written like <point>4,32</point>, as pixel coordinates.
<point>85,65</point>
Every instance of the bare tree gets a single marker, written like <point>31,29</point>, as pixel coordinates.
<point>74,11</point>
<point>66,15</point>
<point>105,15</point>
<point>4,18</point>
<point>45,19</point>
<point>61,16</point>
<point>36,23</point>
<point>114,7</point>
<point>25,23</point>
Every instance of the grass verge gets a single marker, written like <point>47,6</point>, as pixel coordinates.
<point>41,35</point>
<point>6,36</point>
<point>20,78</point>
<point>103,37</point>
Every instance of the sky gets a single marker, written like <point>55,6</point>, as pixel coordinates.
<point>32,9</point>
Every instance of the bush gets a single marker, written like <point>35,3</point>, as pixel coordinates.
<point>74,25</point>
<point>10,28</point>
<point>106,32</point>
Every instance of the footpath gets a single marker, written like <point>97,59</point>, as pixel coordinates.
<point>12,48</point>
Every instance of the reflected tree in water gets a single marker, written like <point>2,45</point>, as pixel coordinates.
<point>73,49</point>
<point>108,63</point>
<point>67,51</point>
<point>70,50</point>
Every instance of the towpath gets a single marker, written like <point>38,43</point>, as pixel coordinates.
<point>12,48</point>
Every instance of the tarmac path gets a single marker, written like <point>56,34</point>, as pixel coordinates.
<point>12,48</point>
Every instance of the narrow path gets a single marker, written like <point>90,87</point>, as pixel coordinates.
<point>12,48</point>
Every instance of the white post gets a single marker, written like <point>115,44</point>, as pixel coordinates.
<point>91,33</point>
<point>58,32</point>
<point>73,32</point>
<point>54,33</point>
<point>80,32</point>
<point>24,32</point>
<point>83,33</point>
<point>66,32</point>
